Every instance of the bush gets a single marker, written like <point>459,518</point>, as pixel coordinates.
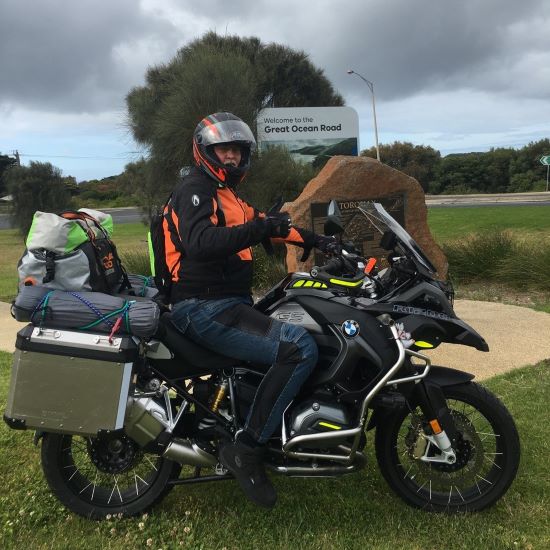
<point>275,174</point>
<point>39,186</point>
<point>500,257</point>
<point>479,256</point>
<point>136,261</point>
<point>268,270</point>
<point>529,267</point>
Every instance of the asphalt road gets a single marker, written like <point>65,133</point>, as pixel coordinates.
<point>131,215</point>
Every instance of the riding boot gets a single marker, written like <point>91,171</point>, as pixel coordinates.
<point>246,464</point>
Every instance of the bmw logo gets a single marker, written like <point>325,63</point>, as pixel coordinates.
<point>350,328</point>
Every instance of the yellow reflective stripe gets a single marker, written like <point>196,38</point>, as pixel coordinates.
<point>345,283</point>
<point>422,344</point>
<point>308,283</point>
<point>331,426</point>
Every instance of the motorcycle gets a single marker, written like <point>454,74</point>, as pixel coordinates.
<point>117,434</point>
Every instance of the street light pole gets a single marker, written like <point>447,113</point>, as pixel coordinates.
<point>371,88</point>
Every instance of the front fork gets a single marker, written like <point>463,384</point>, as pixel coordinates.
<point>431,401</point>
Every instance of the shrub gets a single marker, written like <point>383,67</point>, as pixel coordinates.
<point>39,186</point>
<point>268,270</point>
<point>500,257</point>
<point>478,256</point>
<point>136,261</point>
<point>529,267</point>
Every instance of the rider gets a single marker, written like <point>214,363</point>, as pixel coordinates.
<point>212,231</point>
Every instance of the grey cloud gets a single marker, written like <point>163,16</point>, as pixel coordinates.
<point>409,47</point>
<point>61,55</point>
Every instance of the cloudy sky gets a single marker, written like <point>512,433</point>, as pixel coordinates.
<point>459,76</point>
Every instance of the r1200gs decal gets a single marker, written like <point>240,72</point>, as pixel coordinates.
<point>420,311</point>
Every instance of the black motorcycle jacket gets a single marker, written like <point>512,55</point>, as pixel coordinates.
<point>208,239</point>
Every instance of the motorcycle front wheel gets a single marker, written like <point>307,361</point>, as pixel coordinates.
<point>108,475</point>
<point>487,453</point>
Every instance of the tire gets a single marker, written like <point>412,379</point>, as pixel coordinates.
<point>487,449</point>
<point>107,475</point>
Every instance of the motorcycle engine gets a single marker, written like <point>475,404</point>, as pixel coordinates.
<point>315,416</point>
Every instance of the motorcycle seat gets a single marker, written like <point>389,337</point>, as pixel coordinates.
<point>192,355</point>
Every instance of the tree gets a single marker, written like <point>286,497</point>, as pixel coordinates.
<point>528,181</point>
<point>39,186</point>
<point>418,161</point>
<point>216,73</point>
<point>138,180</point>
<point>275,174</point>
<point>5,163</point>
<point>527,160</point>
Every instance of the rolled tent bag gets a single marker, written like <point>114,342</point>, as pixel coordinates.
<point>87,311</point>
<point>141,286</point>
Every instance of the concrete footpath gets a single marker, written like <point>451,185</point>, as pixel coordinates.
<point>517,336</point>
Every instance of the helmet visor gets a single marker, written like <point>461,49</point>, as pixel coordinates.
<point>226,131</point>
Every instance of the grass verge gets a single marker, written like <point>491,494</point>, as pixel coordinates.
<point>357,511</point>
<point>452,223</point>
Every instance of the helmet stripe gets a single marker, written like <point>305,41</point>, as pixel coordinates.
<point>211,126</point>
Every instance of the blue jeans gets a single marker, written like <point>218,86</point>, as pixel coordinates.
<point>231,327</point>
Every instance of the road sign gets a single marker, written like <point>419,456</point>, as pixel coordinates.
<point>545,160</point>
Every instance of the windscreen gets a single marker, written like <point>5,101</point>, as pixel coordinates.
<point>382,221</point>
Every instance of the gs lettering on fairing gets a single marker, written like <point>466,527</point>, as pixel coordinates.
<point>291,316</point>
<point>411,310</point>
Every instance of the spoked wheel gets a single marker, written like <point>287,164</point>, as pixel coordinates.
<point>487,454</point>
<point>110,474</point>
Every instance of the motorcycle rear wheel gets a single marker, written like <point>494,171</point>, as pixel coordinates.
<point>488,453</point>
<point>95,477</point>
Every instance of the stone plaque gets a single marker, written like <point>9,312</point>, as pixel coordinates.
<point>357,227</point>
<point>349,180</point>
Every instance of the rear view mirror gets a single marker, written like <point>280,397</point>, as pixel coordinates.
<point>333,224</point>
<point>333,209</point>
<point>388,240</point>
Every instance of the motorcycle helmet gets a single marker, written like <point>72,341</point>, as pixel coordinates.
<point>218,129</point>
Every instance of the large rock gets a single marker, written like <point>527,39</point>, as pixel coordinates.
<point>347,179</point>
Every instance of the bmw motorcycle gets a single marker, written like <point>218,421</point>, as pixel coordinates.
<point>443,443</point>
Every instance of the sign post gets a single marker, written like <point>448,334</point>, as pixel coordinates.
<point>546,161</point>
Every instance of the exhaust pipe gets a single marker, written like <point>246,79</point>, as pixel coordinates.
<point>187,452</point>
<point>315,470</point>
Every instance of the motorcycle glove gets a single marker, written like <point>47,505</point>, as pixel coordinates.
<point>278,225</point>
<point>327,245</point>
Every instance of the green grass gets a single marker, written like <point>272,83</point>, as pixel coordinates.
<point>357,511</point>
<point>453,223</point>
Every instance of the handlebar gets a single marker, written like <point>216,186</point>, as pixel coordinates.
<point>331,273</point>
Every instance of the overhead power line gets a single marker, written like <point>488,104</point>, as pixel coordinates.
<point>81,157</point>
